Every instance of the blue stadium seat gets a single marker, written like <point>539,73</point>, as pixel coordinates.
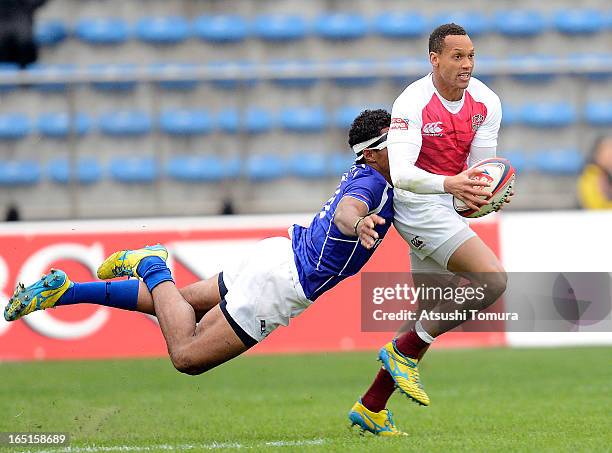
<point>258,121</point>
<point>352,66</point>
<point>102,31</point>
<point>577,21</point>
<point>297,79</point>
<point>133,169</point>
<point>162,29</point>
<point>253,120</point>
<point>178,76</point>
<point>201,168</point>
<point>399,25</point>
<point>590,64</point>
<point>304,119</point>
<point>559,162</point>
<point>8,70</point>
<point>344,116</point>
<point>125,123</point>
<point>485,64</point>
<point>48,72</point>
<point>279,27</point>
<point>548,114</point>
<point>265,167</point>
<point>538,67</point>
<point>221,28</point>
<point>126,71</point>
<point>50,32</point>
<point>517,158</point>
<point>233,168</point>
<point>340,163</point>
<point>228,121</point>
<point>598,113</point>
<point>309,165</point>
<point>340,26</point>
<point>511,114</point>
<point>14,126</point>
<point>408,69</point>
<point>58,124</point>
<point>475,23</point>
<point>88,170</point>
<point>185,122</point>
<point>230,73</point>
<point>519,23</point>
<point>19,172</point>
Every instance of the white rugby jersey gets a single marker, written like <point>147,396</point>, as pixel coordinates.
<point>442,131</point>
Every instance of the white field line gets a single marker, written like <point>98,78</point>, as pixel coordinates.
<point>180,447</point>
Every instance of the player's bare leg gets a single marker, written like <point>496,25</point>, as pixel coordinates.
<point>474,260</point>
<point>194,350</point>
<point>477,262</point>
<point>202,296</point>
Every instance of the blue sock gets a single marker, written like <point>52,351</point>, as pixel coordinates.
<point>153,271</point>
<point>119,294</point>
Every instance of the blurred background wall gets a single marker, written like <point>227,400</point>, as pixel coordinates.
<point>192,107</point>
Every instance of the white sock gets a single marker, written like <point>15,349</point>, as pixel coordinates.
<point>418,328</point>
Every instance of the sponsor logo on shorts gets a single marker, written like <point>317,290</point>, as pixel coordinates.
<point>477,120</point>
<point>400,124</point>
<point>433,129</point>
<point>262,326</point>
<point>417,243</point>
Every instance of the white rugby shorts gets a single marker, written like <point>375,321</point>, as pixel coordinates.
<point>431,226</point>
<point>262,291</point>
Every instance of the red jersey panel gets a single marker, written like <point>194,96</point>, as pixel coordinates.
<point>447,137</point>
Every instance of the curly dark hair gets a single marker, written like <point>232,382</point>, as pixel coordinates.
<point>367,125</point>
<point>436,39</point>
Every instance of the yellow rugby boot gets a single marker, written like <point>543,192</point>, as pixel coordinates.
<point>377,423</point>
<point>39,296</point>
<point>125,262</point>
<point>404,372</point>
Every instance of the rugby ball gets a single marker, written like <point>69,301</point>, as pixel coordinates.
<point>500,174</point>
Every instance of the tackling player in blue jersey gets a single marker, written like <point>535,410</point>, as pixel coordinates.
<point>212,321</point>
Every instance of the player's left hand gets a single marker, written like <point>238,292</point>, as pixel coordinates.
<point>507,200</point>
<point>366,232</point>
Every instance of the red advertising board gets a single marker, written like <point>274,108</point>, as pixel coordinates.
<point>198,250</point>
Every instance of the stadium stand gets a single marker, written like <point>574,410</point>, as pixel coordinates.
<point>229,93</point>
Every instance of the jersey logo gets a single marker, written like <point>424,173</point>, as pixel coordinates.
<point>477,120</point>
<point>399,124</point>
<point>433,129</point>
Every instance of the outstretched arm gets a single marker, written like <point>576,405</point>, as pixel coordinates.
<point>352,219</point>
<point>405,175</point>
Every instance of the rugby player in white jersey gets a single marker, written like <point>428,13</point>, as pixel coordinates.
<point>212,321</point>
<point>441,124</point>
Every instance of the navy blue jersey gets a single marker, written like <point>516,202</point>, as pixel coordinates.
<point>323,255</point>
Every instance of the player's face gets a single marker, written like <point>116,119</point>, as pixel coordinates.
<point>456,62</point>
<point>381,158</point>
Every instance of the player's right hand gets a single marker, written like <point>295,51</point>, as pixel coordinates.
<point>366,232</point>
<point>467,188</point>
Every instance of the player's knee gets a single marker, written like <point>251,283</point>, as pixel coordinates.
<point>184,363</point>
<point>496,283</point>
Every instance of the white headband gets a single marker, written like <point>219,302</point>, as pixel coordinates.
<point>375,143</point>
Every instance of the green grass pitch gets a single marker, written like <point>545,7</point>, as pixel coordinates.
<point>482,400</point>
